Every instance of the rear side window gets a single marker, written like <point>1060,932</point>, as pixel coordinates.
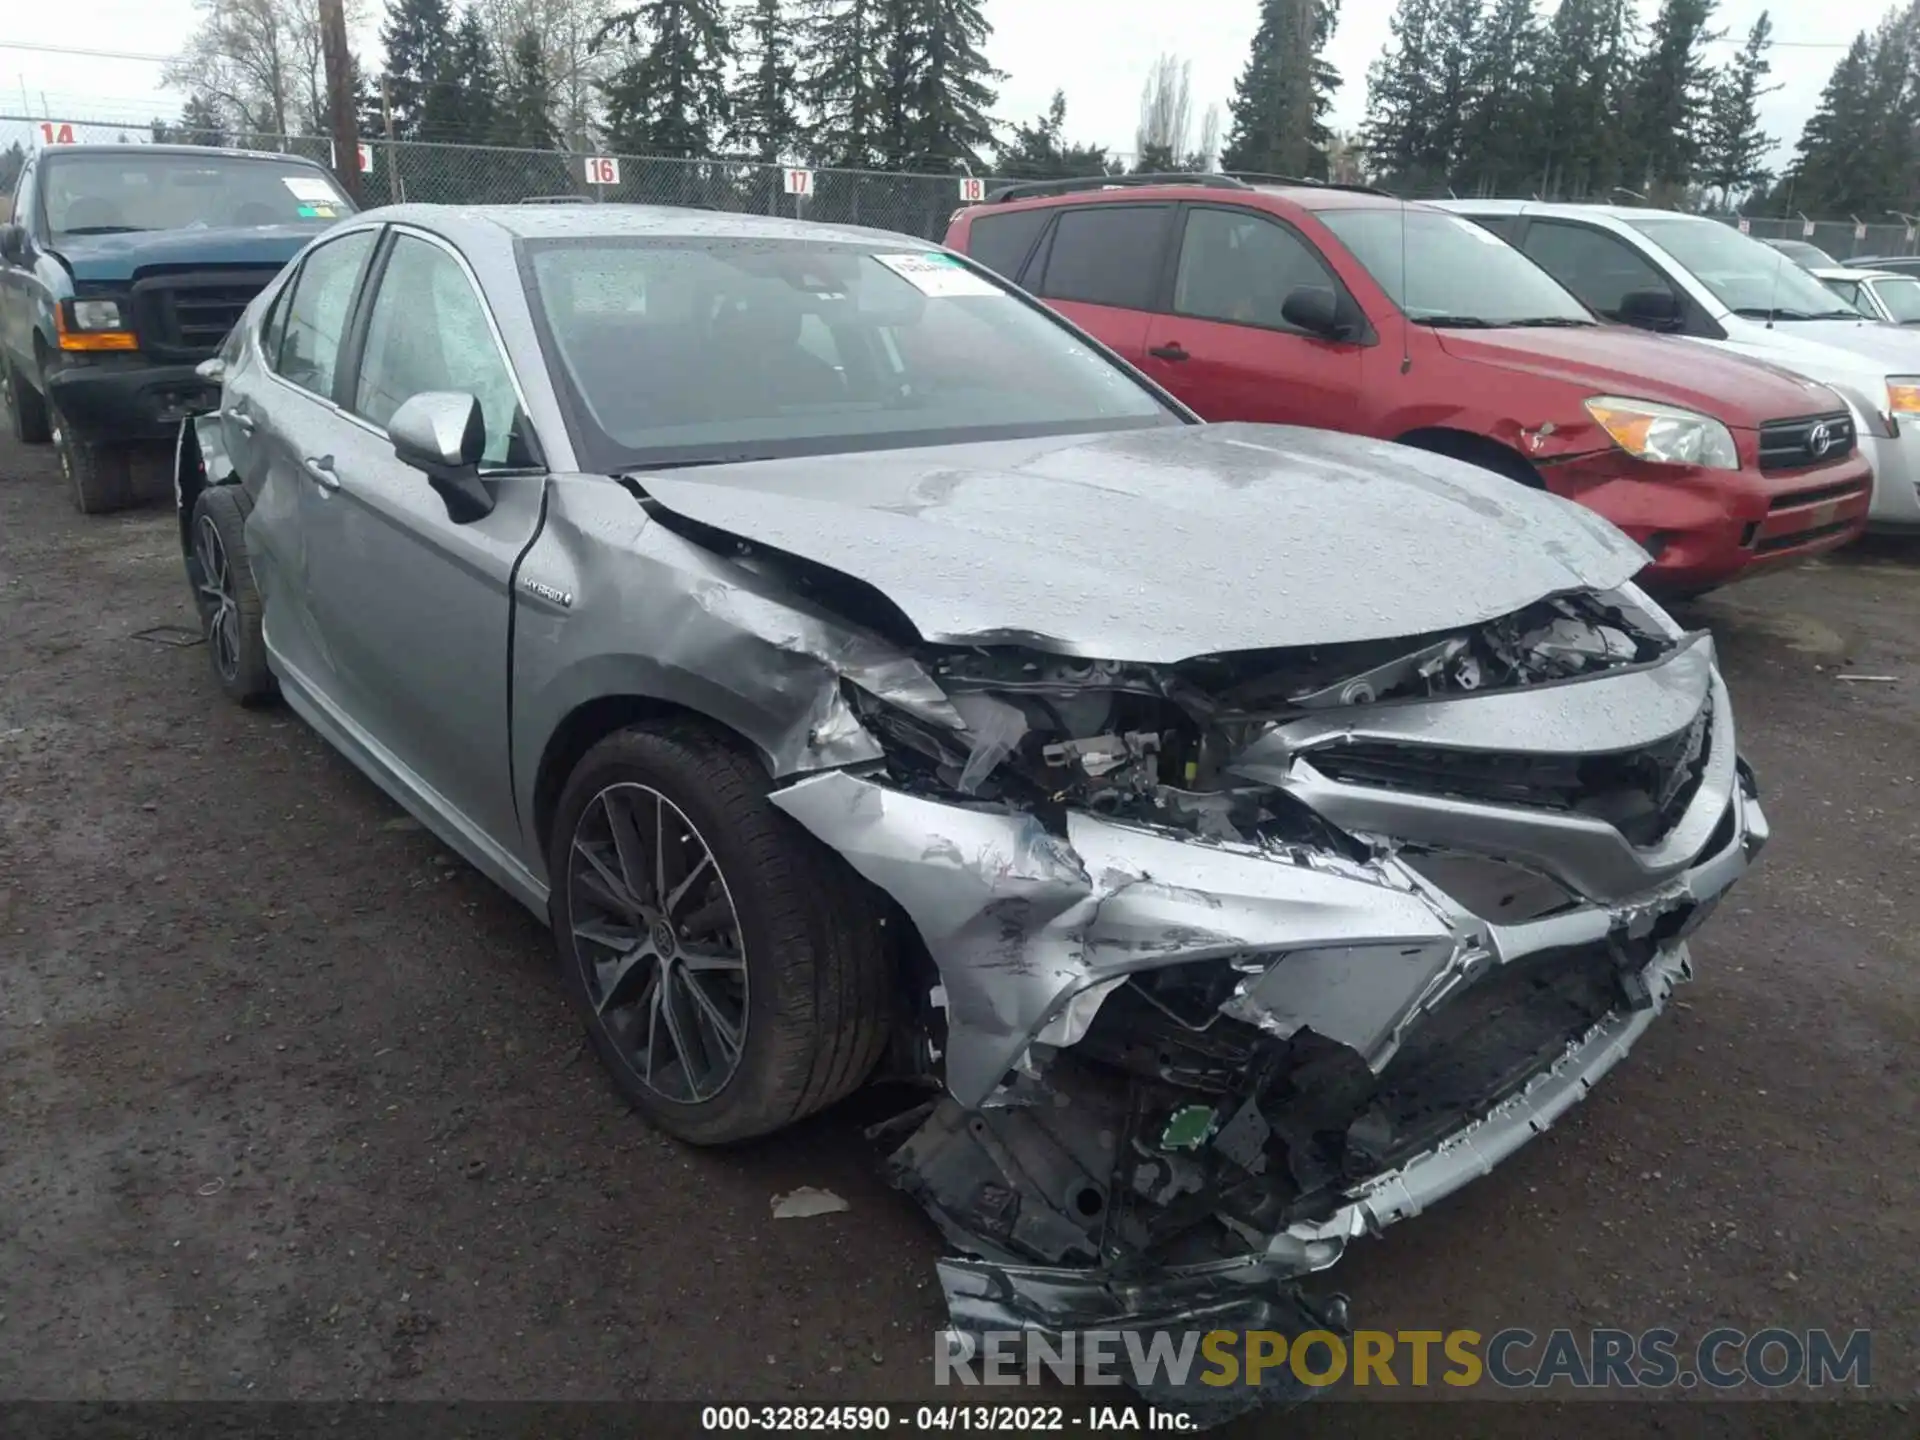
<point>1601,269</point>
<point>1001,242</point>
<point>1107,255</point>
<point>1501,225</point>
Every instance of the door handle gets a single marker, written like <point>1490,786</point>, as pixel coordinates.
<point>1170,351</point>
<point>322,472</point>
<point>242,420</point>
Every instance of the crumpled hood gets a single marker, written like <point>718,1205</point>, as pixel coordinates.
<point>1158,545</point>
<point>1619,360</point>
<point>107,258</point>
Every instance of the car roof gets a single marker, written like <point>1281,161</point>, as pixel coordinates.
<point>1848,272</point>
<point>200,151</point>
<point>1121,192</point>
<point>595,219</point>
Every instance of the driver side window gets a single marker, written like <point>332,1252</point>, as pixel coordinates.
<point>1240,267</point>
<point>1595,266</point>
<point>427,331</point>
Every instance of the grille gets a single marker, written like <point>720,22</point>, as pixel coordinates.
<point>1641,793</point>
<point>186,316</point>
<point>1790,444</point>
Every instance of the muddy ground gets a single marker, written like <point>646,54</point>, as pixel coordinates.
<point>293,1106</point>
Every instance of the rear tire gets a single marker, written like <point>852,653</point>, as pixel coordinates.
<point>26,407</point>
<point>221,574</point>
<point>97,476</point>
<point>784,945</point>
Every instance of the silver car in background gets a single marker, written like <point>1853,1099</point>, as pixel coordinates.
<point>1247,835</point>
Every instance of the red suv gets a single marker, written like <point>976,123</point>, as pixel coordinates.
<point>1349,310</point>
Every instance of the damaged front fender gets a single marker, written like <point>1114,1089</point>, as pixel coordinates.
<point>1020,922</point>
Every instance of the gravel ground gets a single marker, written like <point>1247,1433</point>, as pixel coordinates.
<point>294,1108</point>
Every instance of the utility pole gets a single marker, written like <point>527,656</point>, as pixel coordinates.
<point>346,133</point>
<point>395,191</point>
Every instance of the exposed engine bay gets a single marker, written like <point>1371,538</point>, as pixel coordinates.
<point>1231,960</point>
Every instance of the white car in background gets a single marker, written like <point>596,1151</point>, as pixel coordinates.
<point>1694,277</point>
<point>1876,294</point>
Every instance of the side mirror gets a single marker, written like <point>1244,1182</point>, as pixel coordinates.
<point>1650,309</point>
<point>443,433</point>
<point>13,244</point>
<point>1316,310</point>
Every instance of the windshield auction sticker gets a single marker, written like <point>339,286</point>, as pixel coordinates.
<point>309,189</point>
<point>938,275</point>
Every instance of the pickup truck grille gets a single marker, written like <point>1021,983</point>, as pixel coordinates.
<point>186,316</point>
<point>1815,440</point>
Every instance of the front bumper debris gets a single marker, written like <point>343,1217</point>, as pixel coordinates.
<point>1185,1071</point>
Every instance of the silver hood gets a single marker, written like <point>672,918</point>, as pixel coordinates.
<point>1158,545</point>
<point>1830,350</point>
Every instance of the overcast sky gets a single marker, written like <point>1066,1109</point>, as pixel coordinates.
<point>1098,51</point>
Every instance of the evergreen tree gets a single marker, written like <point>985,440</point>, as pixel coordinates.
<point>1038,152</point>
<point>766,122</point>
<point>951,89</point>
<point>899,65</point>
<point>416,38</point>
<point>1402,104</point>
<point>13,160</point>
<point>1672,88</point>
<point>1282,97</point>
<point>1734,145</point>
<point>1826,166</point>
<point>1586,59</point>
<point>200,123</point>
<point>459,105</point>
<point>523,118</point>
<point>1500,132</point>
<point>843,78</point>
<point>670,97</point>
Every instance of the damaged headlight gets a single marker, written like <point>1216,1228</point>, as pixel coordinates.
<point>1665,434</point>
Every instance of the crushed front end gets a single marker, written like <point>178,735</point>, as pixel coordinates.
<point>1234,960</point>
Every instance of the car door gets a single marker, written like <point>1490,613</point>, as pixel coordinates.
<point>274,416</point>
<point>1100,266</point>
<point>1226,349</point>
<point>414,606</point>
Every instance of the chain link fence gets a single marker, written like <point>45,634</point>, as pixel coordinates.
<point>451,174</point>
<point>446,174</point>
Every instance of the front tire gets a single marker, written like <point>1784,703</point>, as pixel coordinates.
<point>26,407</point>
<point>98,476</point>
<point>732,973</point>
<point>222,578</point>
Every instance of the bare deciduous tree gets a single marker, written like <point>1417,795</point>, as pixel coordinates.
<point>1166,113</point>
<point>567,30</point>
<point>259,62</point>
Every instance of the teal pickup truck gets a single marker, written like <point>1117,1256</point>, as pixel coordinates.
<point>123,269</point>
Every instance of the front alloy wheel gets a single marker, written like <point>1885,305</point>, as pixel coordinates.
<point>734,975</point>
<point>658,940</point>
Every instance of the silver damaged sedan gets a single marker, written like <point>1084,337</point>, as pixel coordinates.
<point>1246,835</point>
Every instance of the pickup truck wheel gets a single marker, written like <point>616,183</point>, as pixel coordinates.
<point>223,592</point>
<point>97,475</point>
<point>732,972</point>
<point>26,407</point>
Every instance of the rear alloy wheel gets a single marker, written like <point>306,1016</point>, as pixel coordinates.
<point>25,406</point>
<point>97,476</point>
<point>731,971</point>
<point>229,606</point>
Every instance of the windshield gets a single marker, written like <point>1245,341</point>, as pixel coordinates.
<point>140,189</point>
<point>1901,297</point>
<point>686,350</point>
<point>1456,271</point>
<point>1745,276</point>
